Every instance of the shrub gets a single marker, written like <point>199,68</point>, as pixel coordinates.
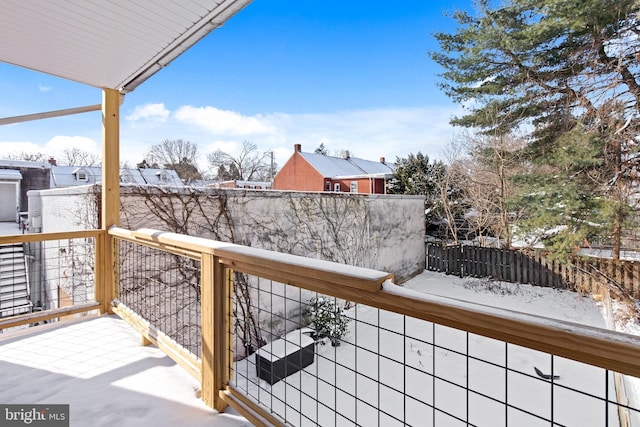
<point>328,319</point>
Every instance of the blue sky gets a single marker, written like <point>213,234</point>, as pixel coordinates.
<point>353,75</point>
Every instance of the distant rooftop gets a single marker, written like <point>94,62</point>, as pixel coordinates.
<point>347,166</point>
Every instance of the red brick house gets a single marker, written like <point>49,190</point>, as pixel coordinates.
<point>317,172</point>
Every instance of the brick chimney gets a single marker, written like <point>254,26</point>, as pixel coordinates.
<point>297,148</point>
<point>381,159</point>
<point>52,161</point>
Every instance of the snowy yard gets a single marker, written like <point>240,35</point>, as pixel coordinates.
<point>393,370</point>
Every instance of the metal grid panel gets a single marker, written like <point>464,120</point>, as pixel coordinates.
<point>391,369</point>
<point>40,276</point>
<point>163,289</point>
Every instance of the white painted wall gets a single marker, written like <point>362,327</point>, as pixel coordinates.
<point>9,200</point>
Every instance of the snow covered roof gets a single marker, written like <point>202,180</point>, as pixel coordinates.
<point>24,164</point>
<point>10,174</point>
<point>333,167</point>
<point>70,176</point>
<point>160,176</point>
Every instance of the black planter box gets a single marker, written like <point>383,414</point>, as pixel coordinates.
<point>280,358</point>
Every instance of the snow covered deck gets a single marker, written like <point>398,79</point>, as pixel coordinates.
<point>99,367</point>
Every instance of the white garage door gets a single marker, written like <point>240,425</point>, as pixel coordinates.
<point>8,202</point>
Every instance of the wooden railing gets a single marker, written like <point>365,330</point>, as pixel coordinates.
<point>609,350</point>
<point>48,314</point>
<point>613,351</point>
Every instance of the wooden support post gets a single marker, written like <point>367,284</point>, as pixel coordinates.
<point>215,338</point>
<point>99,270</point>
<point>110,191</point>
<point>222,338</point>
<point>207,283</point>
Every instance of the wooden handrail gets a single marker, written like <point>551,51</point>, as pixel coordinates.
<point>300,271</point>
<point>43,237</point>
<point>599,347</point>
<point>40,316</point>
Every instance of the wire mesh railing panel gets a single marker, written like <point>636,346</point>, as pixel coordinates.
<point>310,359</point>
<point>45,275</point>
<point>164,289</point>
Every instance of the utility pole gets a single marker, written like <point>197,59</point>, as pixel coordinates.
<point>271,168</point>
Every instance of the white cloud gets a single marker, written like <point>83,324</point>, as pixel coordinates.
<point>149,112</point>
<point>18,147</point>
<point>224,122</point>
<point>55,146</point>
<point>43,88</point>
<point>368,134</point>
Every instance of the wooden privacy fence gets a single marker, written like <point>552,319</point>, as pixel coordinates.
<point>581,273</point>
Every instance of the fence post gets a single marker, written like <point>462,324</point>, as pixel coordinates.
<point>214,298</point>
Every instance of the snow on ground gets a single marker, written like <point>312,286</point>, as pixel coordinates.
<point>376,367</point>
<point>99,367</point>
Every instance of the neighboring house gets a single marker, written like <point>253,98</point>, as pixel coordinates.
<point>71,176</point>
<point>253,185</point>
<point>16,178</point>
<point>317,172</point>
<point>154,176</point>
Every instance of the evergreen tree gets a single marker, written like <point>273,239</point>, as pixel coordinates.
<point>415,175</point>
<point>322,150</point>
<point>565,70</point>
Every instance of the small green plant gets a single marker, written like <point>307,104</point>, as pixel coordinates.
<point>328,319</point>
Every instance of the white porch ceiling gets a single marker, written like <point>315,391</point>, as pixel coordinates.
<point>115,44</point>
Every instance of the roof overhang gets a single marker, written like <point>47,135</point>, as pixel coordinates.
<point>366,176</point>
<point>10,175</point>
<point>115,44</point>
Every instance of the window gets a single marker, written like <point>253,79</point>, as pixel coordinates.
<point>81,175</point>
<point>327,186</point>
<point>336,187</point>
<point>353,186</point>
<point>162,176</point>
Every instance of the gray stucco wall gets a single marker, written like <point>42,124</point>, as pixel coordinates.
<point>384,232</point>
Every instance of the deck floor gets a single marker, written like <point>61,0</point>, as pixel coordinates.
<point>99,367</point>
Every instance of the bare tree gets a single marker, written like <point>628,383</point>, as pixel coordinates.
<point>494,162</point>
<point>76,157</point>
<point>29,157</point>
<point>248,165</point>
<point>448,188</point>
<point>177,154</point>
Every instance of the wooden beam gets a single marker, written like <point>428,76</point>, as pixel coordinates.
<point>40,316</point>
<point>49,114</point>
<point>44,237</point>
<point>222,291</point>
<point>208,281</point>
<point>165,343</point>
<point>110,214</point>
<point>110,158</point>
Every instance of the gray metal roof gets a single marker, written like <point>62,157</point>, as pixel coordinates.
<point>114,44</point>
<point>332,167</point>
<point>67,176</point>
<point>160,176</point>
<point>10,174</point>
